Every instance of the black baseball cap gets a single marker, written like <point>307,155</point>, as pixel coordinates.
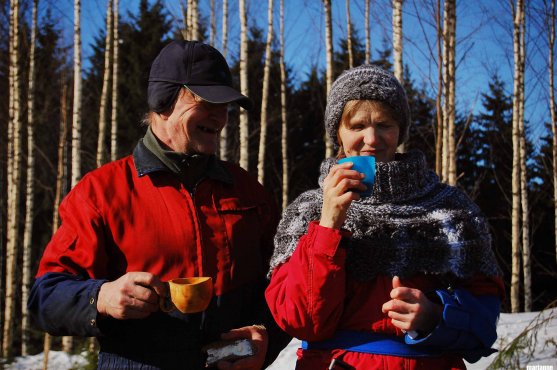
<point>197,66</point>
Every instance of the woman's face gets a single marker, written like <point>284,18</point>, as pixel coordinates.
<point>369,129</point>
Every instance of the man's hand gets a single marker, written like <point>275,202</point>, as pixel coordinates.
<point>135,295</point>
<point>257,334</point>
<point>410,309</point>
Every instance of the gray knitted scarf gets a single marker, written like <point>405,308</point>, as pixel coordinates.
<point>410,224</point>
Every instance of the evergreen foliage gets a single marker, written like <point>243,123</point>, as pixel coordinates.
<point>142,36</point>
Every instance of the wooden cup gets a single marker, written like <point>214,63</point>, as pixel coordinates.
<point>188,295</point>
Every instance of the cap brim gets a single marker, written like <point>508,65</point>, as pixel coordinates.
<point>221,94</point>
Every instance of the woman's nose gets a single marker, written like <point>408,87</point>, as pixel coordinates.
<point>370,136</point>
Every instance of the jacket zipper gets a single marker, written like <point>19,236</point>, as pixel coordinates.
<point>196,223</point>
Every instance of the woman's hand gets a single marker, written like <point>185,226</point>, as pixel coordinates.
<point>257,334</point>
<point>338,193</point>
<point>410,309</point>
<point>134,295</point>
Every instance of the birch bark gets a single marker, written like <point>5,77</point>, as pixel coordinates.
<point>551,64</point>
<point>67,341</point>
<point>76,125</point>
<point>349,35</point>
<point>29,194</point>
<point>284,125</point>
<point>223,146</point>
<point>106,81</point>
<point>451,97</point>
<point>368,36</point>
<point>14,161</point>
<point>213,26</point>
<point>397,45</point>
<point>265,97</point>
<point>114,105</point>
<point>515,217</point>
<point>526,264</point>
<point>329,53</point>
<point>445,149</point>
<point>244,134</point>
<point>439,96</point>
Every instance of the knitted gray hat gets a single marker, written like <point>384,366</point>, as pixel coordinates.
<point>366,82</point>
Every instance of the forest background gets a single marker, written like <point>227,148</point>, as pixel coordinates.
<point>485,109</point>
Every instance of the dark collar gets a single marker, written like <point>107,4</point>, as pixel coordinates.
<point>147,162</point>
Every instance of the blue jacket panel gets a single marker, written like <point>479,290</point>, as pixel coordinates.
<point>65,304</point>
<point>468,326</point>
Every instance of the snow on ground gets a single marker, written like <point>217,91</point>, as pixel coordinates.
<point>57,360</point>
<point>508,328</point>
<point>511,325</point>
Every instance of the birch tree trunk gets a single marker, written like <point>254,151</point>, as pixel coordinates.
<point>9,167</point>
<point>29,194</point>
<point>194,20</point>
<point>439,96</point>
<point>60,174</point>
<point>284,124</point>
<point>329,48</point>
<point>189,28</point>
<point>397,38</point>
<point>349,35</point>
<point>186,21</point>
<point>551,41</point>
<point>109,40</point>
<point>244,134</point>
<point>368,36</point>
<point>213,25</point>
<point>76,124</point>
<point>106,81</point>
<point>397,45</point>
<point>67,341</point>
<point>14,160</point>
<point>445,150</point>
<point>526,268</point>
<point>46,349</point>
<point>450,100</point>
<point>223,147</point>
<point>114,108</point>
<point>9,162</point>
<point>515,221</point>
<point>265,97</point>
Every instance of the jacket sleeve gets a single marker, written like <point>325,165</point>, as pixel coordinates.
<point>65,304</point>
<point>306,293</point>
<point>468,325</point>
<point>63,299</point>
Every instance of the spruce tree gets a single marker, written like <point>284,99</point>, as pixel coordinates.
<point>142,36</point>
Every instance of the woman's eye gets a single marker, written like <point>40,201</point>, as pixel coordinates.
<point>357,127</point>
<point>384,125</point>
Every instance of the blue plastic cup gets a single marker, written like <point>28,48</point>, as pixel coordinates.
<point>364,164</point>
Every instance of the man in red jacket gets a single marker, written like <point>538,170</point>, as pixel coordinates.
<point>170,210</point>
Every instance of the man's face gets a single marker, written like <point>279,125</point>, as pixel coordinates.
<point>194,125</point>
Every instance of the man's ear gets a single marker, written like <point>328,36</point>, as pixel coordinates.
<point>168,112</point>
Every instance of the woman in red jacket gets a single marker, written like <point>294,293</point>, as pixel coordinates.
<point>402,278</point>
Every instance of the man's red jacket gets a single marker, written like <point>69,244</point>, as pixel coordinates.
<point>135,215</point>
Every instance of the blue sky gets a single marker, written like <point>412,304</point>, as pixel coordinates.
<point>484,40</point>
